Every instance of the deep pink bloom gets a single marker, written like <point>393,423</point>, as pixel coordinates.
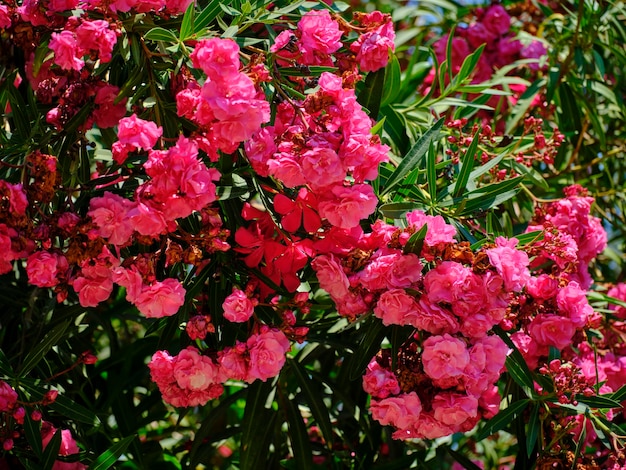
<point>66,50</point>
<point>379,382</point>
<point>68,447</point>
<point>444,357</point>
<point>300,212</point>
<point>511,264</point>
<point>238,307</point>
<point>106,112</point>
<point>137,133</point>
<point>97,35</point>
<point>497,20</point>
<point>542,287</point>
<point>5,17</point>
<point>198,326</point>
<point>331,276</point>
<point>434,318</point>
<point>438,232</point>
<point>161,299</point>
<point>322,168</point>
<point>8,397</point>
<point>267,351</point>
<point>233,361</point>
<point>552,330</point>
<point>110,214</point>
<point>43,268</point>
<point>572,301</point>
<point>344,207</point>
<point>458,411</point>
<point>396,307</point>
<point>402,411</point>
<point>93,289</point>
<point>373,48</point>
<point>216,57</point>
<point>319,32</point>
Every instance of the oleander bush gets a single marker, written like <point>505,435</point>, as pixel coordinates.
<point>312,234</point>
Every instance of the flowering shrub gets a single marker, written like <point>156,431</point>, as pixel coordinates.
<point>292,236</point>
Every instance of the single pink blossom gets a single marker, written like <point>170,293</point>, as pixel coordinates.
<point>238,307</point>
<point>161,299</point>
<point>66,50</point>
<point>380,382</point>
<point>396,307</point>
<point>319,32</point>
<point>444,357</point>
<point>43,268</point>
<point>267,354</point>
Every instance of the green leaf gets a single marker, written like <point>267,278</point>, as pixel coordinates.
<point>416,242</point>
<point>523,103</point>
<point>569,118</point>
<point>160,34</point>
<point>392,81</point>
<point>466,167</point>
<point>368,347</point>
<point>534,425</point>
<point>469,65</point>
<point>530,237</point>
<point>491,195</point>
<point>299,437</point>
<point>371,95</point>
<point>619,395</point>
<point>462,459</point>
<point>51,452</point>
<point>187,24</point>
<point>32,431</point>
<point>503,419</point>
<point>39,350</point>
<point>396,210</point>
<point>516,365</point>
<point>431,172</point>
<point>312,71</point>
<point>414,157</point>
<point>110,456</point>
<point>257,426</point>
<point>207,16</point>
<point>600,401</point>
<point>72,410</point>
<point>5,366</point>
<point>313,399</point>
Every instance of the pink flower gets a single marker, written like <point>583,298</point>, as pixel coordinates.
<point>147,220</point>
<point>130,279</point>
<point>298,212</point>
<point>106,112</point>
<point>286,168</point>
<point>319,32</point>
<point>344,207</point>
<point>322,167</point>
<point>435,319</point>
<point>510,263</point>
<point>68,446</point>
<point>198,326</point>
<point>189,379</point>
<point>373,49</point>
<point>110,214</point>
<point>460,412</point>
<point>161,299</point>
<point>43,268</point>
<point>402,411</point>
<point>442,283</point>
<point>233,361</point>
<point>444,357</point>
<point>267,354</point>
<point>5,17</point>
<point>238,308</point>
<point>379,382</point>
<point>552,330</point>
<point>97,36</point>
<point>331,276</point>
<point>8,397</point>
<point>137,133</point>
<point>216,57</point>
<point>93,289</point>
<point>542,287</point>
<point>572,301</point>
<point>65,50</point>
<point>396,307</point>
<point>438,232</point>
<point>497,20</point>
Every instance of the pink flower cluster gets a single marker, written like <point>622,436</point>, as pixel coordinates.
<point>492,27</point>
<point>572,237</point>
<point>317,38</point>
<point>228,107</point>
<point>191,378</point>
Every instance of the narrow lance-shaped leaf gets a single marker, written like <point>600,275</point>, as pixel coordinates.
<point>256,426</point>
<point>187,24</point>
<point>51,451</point>
<point>39,350</point>
<point>371,95</point>
<point>110,456</point>
<point>416,242</point>
<point>414,157</point>
<point>466,167</point>
<point>299,437</point>
<point>314,400</point>
<point>534,424</point>
<point>503,419</point>
<point>431,172</point>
